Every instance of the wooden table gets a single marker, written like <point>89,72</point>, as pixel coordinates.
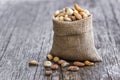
<point>26,34</point>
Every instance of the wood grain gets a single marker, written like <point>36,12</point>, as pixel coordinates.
<point>26,34</point>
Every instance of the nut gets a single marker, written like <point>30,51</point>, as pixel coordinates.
<point>61,14</point>
<point>78,16</point>
<point>57,18</point>
<point>70,16</point>
<point>48,73</point>
<point>47,64</point>
<point>87,12</point>
<point>76,6</point>
<point>65,64</point>
<point>33,63</point>
<point>57,13</point>
<point>79,64</point>
<point>54,67</point>
<point>84,15</point>
<point>61,18</point>
<point>88,63</point>
<point>61,61</point>
<point>73,18</point>
<point>56,59</point>
<point>67,18</point>
<point>49,57</point>
<point>69,11</point>
<point>73,68</point>
<point>75,11</point>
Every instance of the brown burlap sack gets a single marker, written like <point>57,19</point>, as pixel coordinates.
<point>74,40</point>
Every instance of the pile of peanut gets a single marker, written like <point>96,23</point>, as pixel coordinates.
<point>54,63</point>
<point>71,14</point>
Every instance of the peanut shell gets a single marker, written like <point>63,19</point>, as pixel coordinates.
<point>49,57</point>
<point>79,64</point>
<point>54,66</point>
<point>88,63</point>
<point>76,6</point>
<point>56,59</point>
<point>47,64</point>
<point>33,62</point>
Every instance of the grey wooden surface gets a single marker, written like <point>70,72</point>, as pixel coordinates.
<point>26,34</point>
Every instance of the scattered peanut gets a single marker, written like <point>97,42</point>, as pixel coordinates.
<point>54,66</point>
<point>88,63</point>
<point>48,73</point>
<point>65,64</point>
<point>56,59</point>
<point>73,68</point>
<point>47,64</point>
<point>33,63</point>
<point>49,57</point>
<point>79,64</point>
<point>61,61</point>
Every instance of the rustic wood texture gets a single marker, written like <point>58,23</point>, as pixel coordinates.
<point>26,34</point>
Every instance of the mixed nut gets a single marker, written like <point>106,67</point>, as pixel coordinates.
<point>71,14</point>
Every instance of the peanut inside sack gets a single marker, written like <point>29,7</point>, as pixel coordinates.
<point>71,14</point>
<point>73,35</point>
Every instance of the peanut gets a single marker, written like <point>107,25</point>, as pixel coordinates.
<point>77,15</point>
<point>67,19</point>
<point>48,73</point>
<point>57,13</point>
<point>79,64</point>
<point>65,64</point>
<point>87,12</point>
<point>49,57</point>
<point>47,64</point>
<point>54,67</point>
<point>84,15</point>
<point>61,61</point>
<point>73,18</point>
<point>33,63</point>
<point>73,68</point>
<point>56,59</point>
<point>88,63</point>
<point>76,6</point>
<point>61,18</point>
<point>69,11</point>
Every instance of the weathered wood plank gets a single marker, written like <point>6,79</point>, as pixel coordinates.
<point>105,44</point>
<point>29,40</point>
<point>27,35</point>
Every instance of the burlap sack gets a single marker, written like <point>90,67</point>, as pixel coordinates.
<point>74,40</point>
